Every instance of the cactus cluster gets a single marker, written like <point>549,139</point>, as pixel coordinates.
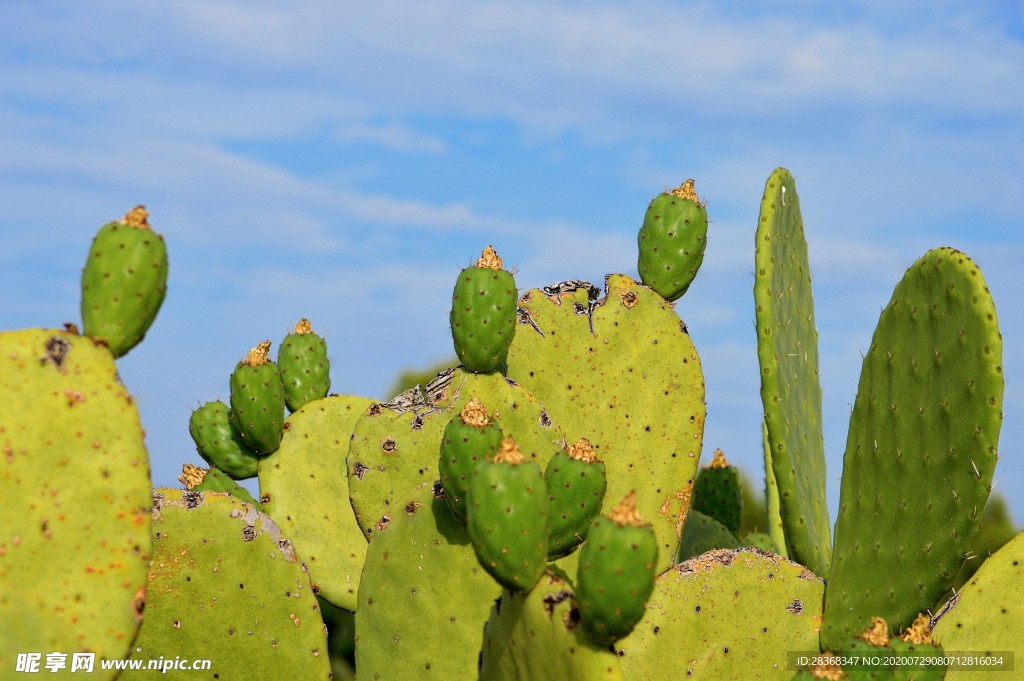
<point>537,511</point>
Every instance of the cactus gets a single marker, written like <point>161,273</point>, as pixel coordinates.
<point>787,350</point>
<point>395,445</point>
<point>921,449</point>
<point>218,442</point>
<point>760,540</point>
<point>469,438</point>
<point>196,479</point>
<point>730,614</point>
<point>771,499</point>
<point>124,282</point>
<point>616,573</point>
<point>507,517</point>
<point>224,580</point>
<point>535,635</point>
<point>621,371</point>
<point>423,597</point>
<point>716,493</point>
<point>701,534</point>
<point>483,316</point>
<point>257,401</point>
<point>304,487</point>
<point>305,368</point>
<point>672,241</point>
<point>75,488</point>
<point>576,482</point>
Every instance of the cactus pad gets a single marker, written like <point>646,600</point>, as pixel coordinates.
<point>305,368</point>
<point>787,351</point>
<point>672,241</point>
<point>483,316</point>
<point>219,443</point>
<point>469,438</point>
<point>576,481</point>
<point>74,480</point>
<point>701,534</point>
<point>257,401</point>
<point>921,449</point>
<point>716,493</point>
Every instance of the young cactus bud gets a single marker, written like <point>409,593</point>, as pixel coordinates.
<point>616,573</point>
<point>576,482</point>
<point>305,367</point>
<point>257,401</point>
<point>716,492</point>
<point>672,241</point>
<point>483,316</point>
<point>218,442</point>
<point>507,518</point>
<point>469,438</point>
<point>124,282</point>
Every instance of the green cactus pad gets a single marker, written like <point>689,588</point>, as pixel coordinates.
<point>730,614</point>
<point>672,241</point>
<point>75,490</point>
<point>760,540</point>
<point>536,635</point>
<point>622,372</point>
<point>304,487</point>
<point>423,597</point>
<point>395,445</point>
<point>771,499</point>
<point>716,493</point>
<point>787,350</point>
<point>576,481</point>
<point>219,443</point>
<point>124,282</point>
<point>305,367</point>
<point>196,479</point>
<point>507,517</point>
<point>257,401</point>
<point>226,585</point>
<point>483,316</point>
<point>987,615</point>
<point>469,438</point>
<point>701,534</point>
<point>921,449</point>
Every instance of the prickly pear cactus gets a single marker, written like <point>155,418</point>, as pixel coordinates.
<point>226,585</point>
<point>616,573</point>
<point>787,350</point>
<point>730,614</point>
<point>74,480</point>
<point>304,487</point>
<point>257,401</point>
<point>771,499</point>
<point>196,479</point>
<point>621,371</point>
<point>423,597</point>
<point>395,445</point>
<point>672,241</point>
<point>218,442</point>
<point>507,517</point>
<point>701,534</point>
<point>716,493</point>
<point>921,449</point>
<point>124,282</point>
<point>536,635</point>
<point>760,540</point>
<point>469,438</point>
<point>305,367</point>
<point>576,481</point>
<point>483,316</point>
<point>987,614</point>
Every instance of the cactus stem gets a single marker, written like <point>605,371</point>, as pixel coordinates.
<point>474,414</point>
<point>490,259</point>
<point>508,452</point>
<point>625,513</point>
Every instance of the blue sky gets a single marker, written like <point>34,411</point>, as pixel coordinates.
<point>341,161</point>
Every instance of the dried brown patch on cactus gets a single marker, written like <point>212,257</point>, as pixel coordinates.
<point>474,414</point>
<point>489,259</point>
<point>509,452</point>
<point>303,327</point>
<point>626,512</point>
<point>878,634</point>
<point>259,355</point>
<point>137,218</point>
<point>582,450</point>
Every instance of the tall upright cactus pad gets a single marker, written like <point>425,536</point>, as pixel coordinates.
<point>921,449</point>
<point>423,597</point>
<point>731,614</point>
<point>483,316</point>
<point>305,367</point>
<point>218,442</point>
<point>787,350</point>
<point>226,585</point>
<point>536,635</point>
<point>395,445</point>
<point>257,401</point>
<point>74,484</point>
<point>124,282</point>
<point>672,241</point>
<point>988,614</point>
<point>621,371</point>
<point>304,487</point>
<point>716,492</point>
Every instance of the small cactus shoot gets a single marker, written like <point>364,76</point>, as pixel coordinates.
<point>483,316</point>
